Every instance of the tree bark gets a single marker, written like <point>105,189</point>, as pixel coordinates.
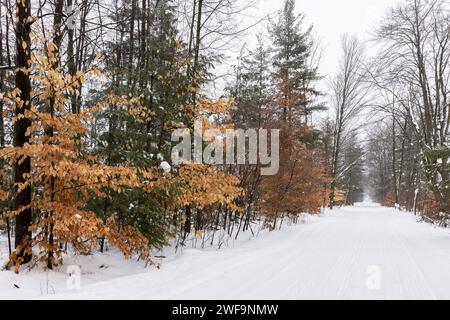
<point>57,39</point>
<point>72,69</point>
<point>22,166</point>
<point>2,130</point>
<point>197,47</point>
<point>394,160</point>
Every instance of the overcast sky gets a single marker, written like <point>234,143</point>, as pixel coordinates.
<point>330,19</point>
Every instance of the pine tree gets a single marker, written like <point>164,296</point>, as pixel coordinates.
<point>294,75</point>
<point>157,74</point>
<point>252,87</point>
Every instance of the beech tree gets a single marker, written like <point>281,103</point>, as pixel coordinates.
<point>64,174</point>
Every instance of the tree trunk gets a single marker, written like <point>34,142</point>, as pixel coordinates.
<point>57,38</point>
<point>336,151</point>
<point>22,166</point>
<point>394,160</point>
<point>71,61</point>
<point>197,47</point>
<point>130,55</point>
<point>187,222</point>
<point>2,126</point>
<point>2,130</point>
<point>402,159</point>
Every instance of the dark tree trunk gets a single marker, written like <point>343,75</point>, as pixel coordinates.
<point>187,222</point>
<point>394,160</point>
<point>22,166</point>
<point>197,48</point>
<point>2,127</point>
<point>2,130</point>
<point>402,160</point>
<point>71,60</point>
<point>130,55</point>
<point>57,38</point>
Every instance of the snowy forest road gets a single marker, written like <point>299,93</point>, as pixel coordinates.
<point>361,252</point>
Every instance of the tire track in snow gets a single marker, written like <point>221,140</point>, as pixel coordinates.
<point>413,261</point>
<point>324,259</point>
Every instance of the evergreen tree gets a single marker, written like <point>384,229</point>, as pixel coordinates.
<point>140,136</point>
<point>293,73</point>
<point>252,87</point>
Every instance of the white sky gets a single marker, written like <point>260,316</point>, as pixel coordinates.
<point>330,19</point>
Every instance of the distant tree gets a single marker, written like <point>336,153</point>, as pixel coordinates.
<point>353,179</point>
<point>252,86</point>
<point>413,68</point>
<point>349,96</point>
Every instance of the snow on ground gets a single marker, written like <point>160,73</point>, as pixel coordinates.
<point>37,284</point>
<point>361,252</point>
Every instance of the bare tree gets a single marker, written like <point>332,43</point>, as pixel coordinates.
<point>349,97</point>
<point>414,68</point>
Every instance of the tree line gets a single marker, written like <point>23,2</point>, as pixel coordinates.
<point>409,150</point>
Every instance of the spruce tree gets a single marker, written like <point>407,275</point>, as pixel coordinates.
<point>292,48</point>
<point>252,87</point>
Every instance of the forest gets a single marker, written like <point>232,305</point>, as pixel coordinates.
<point>91,92</point>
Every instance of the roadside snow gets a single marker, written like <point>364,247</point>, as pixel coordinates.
<point>361,252</point>
<point>36,284</point>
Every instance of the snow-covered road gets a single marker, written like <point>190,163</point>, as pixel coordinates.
<point>360,252</point>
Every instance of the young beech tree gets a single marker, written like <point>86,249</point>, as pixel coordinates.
<point>64,174</point>
<point>298,186</point>
<point>204,188</point>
